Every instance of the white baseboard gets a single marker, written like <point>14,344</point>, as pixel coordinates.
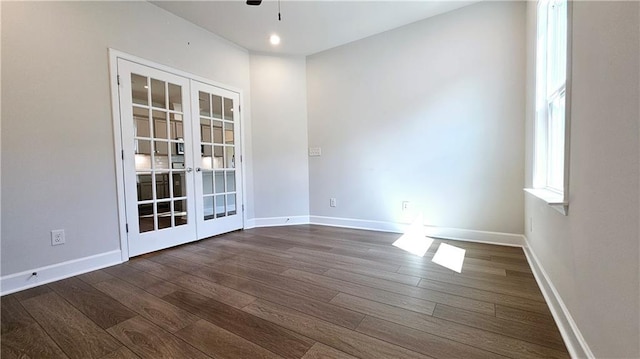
<point>276,221</point>
<point>16,282</point>
<point>573,339</point>
<point>503,239</point>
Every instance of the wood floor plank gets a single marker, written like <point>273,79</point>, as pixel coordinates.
<point>399,300</point>
<point>32,292</point>
<point>485,340</point>
<point>133,276</point>
<point>97,306</point>
<point>29,341</point>
<point>526,332</point>
<point>524,302</point>
<point>150,341</point>
<point>270,336</point>
<point>95,277</point>
<point>122,353</point>
<point>420,341</point>
<point>343,259</point>
<point>319,309</point>
<point>431,295</point>
<point>321,351</point>
<point>220,343</point>
<point>165,315</point>
<point>544,319</point>
<point>277,281</point>
<point>13,316</point>
<point>78,336</point>
<point>213,290</point>
<point>348,341</point>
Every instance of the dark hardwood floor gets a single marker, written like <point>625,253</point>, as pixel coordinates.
<point>289,292</point>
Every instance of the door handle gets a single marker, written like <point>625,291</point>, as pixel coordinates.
<point>198,169</point>
<point>189,169</point>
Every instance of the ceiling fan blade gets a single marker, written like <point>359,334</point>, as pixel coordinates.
<point>254,2</point>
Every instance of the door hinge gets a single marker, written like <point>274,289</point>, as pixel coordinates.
<point>239,108</point>
<point>122,153</point>
<point>243,208</point>
<point>127,227</point>
<point>118,79</point>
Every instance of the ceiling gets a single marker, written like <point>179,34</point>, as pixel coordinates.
<point>307,27</point>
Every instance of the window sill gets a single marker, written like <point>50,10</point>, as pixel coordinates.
<point>553,199</point>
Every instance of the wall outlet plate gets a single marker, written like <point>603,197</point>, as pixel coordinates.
<point>315,151</point>
<point>332,202</point>
<point>57,237</point>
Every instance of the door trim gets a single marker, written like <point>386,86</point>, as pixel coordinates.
<point>114,55</point>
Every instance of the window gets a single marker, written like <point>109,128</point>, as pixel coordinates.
<point>551,101</point>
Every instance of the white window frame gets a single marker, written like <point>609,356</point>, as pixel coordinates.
<point>551,158</point>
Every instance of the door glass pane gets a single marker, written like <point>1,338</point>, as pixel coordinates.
<point>208,208</point>
<point>145,189</point>
<point>207,157</point>
<point>219,178</point>
<point>141,122</point>
<point>228,109</point>
<point>164,215</point>
<point>160,124</point>
<point>180,212</point>
<point>161,155</point>
<point>228,133</point>
<point>175,97</point>
<point>142,155</point>
<point>176,127</point>
<point>220,207</point>
<point>217,106</point>
<point>179,184</point>
<point>158,93</point>
<point>205,130</point>
<point>229,157</point>
<point>231,204</point>
<point>207,182</point>
<point>217,132</point>
<point>145,217</point>
<point>162,186</point>
<point>231,181</point>
<point>205,104</point>
<point>218,154</point>
<point>139,89</point>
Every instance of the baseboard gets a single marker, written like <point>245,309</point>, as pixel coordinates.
<point>573,339</point>
<point>276,221</point>
<point>498,238</point>
<point>16,282</point>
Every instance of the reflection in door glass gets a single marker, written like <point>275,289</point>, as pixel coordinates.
<point>180,212</point>
<point>231,204</point>
<point>208,212</point>
<point>145,217</point>
<point>220,207</point>
<point>139,90</point>
<point>158,98</point>
<point>228,109</point>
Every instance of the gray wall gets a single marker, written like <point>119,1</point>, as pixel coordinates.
<point>58,166</point>
<point>591,255</point>
<point>432,113</point>
<point>279,118</point>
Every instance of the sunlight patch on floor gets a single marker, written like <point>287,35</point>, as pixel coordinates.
<point>414,240</point>
<point>450,257</point>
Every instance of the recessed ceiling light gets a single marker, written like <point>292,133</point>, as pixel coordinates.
<point>274,39</point>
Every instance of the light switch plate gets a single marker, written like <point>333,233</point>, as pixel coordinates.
<point>315,151</point>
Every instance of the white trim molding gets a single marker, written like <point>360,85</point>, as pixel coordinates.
<point>24,280</point>
<point>276,221</point>
<point>573,339</point>
<point>503,239</point>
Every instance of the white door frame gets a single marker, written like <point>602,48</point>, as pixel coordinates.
<point>114,55</point>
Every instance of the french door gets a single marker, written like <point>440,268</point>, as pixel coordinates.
<point>180,142</point>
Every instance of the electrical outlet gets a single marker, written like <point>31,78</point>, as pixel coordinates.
<point>57,237</point>
<point>406,205</point>
<point>332,202</point>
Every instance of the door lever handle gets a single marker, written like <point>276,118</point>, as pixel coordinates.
<point>198,169</point>
<point>189,169</point>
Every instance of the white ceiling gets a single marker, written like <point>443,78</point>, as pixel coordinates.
<point>307,26</point>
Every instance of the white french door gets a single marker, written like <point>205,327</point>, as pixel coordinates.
<point>180,141</point>
<point>216,139</point>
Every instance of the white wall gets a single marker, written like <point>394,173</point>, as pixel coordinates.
<point>58,166</point>
<point>431,113</point>
<point>591,255</point>
<point>279,118</point>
